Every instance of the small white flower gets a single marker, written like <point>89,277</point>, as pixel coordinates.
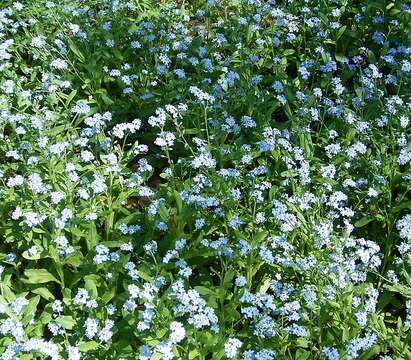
<point>231,347</point>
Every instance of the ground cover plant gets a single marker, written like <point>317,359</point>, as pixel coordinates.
<point>221,179</point>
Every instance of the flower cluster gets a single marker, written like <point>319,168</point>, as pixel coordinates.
<point>205,180</point>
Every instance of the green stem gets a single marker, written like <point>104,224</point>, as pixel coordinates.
<point>206,124</point>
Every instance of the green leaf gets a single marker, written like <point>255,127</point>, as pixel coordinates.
<point>66,321</point>
<point>27,256</point>
<point>302,354</point>
<point>306,143</point>
<point>73,47</point>
<point>144,276</point>
<point>265,285</point>
<point>179,202</point>
<point>163,212</point>
<point>106,99</point>
<point>228,279</point>
<point>56,130</point>
<point>288,111</point>
<point>370,353</point>
<point>77,232</point>
<point>288,52</point>
<point>259,237</point>
<point>340,32</point>
<point>401,206</point>
<point>371,57</point>
<point>363,221</point>
<point>88,346</point>
<point>402,289</point>
<point>339,56</point>
<point>75,259</point>
<point>92,238</point>
<point>108,295</point>
<point>377,4</point>
<point>202,290</point>
<point>38,276</point>
<point>289,173</point>
<point>193,354</point>
<point>161,332</point>
<point>70,97</point>
<point>31,307</point>
<point>399,323</point>
<point>91,282</point>
<point>44,293</point>
<point>191,131</point>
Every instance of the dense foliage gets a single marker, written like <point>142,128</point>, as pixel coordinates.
<point>221,179</point>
